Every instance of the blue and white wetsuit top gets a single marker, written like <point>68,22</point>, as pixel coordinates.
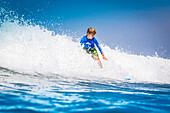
<point>89,43</point>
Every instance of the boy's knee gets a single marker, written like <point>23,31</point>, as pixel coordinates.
<point>97,58</point>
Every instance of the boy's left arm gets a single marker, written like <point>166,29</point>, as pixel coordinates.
<point>97,44</point>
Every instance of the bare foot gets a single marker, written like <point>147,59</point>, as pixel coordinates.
<point>100,64</point>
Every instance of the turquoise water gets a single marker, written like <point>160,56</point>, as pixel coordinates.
<point>21,92</point>
<point>48,71</point>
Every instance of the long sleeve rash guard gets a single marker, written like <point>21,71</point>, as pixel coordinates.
<point>89,43</point>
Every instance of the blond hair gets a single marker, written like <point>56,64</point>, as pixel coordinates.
<point>91,30</point>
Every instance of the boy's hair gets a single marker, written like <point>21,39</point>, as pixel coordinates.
<point>91,30</point>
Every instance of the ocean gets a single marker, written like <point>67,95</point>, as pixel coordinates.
<point>55,93</point>
<point>41,71</point>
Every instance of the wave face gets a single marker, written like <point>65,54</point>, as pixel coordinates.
<point>31,48</point>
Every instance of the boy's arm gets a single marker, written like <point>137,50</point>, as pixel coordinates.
<point>82,41</point>
<point>97,44</point>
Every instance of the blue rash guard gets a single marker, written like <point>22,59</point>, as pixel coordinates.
<point>89,43</point>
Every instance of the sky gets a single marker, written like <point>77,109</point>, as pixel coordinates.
<point>136,26</point>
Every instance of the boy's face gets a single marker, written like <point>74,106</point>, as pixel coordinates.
<point>90,36</point>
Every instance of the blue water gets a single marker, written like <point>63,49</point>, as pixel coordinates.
<point>56,93</point>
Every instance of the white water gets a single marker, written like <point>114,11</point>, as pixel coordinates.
<point>31,49</point>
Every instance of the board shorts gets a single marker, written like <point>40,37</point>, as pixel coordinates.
<point>92,51</point>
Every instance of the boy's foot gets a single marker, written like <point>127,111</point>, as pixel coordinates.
<point>100,64</point>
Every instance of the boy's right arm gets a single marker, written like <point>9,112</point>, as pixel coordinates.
<point>82,41</point>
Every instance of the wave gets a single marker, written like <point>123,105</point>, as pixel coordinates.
<point>32,48</point>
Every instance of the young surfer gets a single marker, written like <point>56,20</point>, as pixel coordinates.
<point>89,40</point>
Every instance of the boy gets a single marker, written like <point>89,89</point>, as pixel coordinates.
<point>89,40</point>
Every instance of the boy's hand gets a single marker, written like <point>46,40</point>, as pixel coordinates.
<point>104,57</point>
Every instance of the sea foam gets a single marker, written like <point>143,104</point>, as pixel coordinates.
<point>31,48</point>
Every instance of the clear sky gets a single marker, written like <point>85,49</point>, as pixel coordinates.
<point>139,26</point>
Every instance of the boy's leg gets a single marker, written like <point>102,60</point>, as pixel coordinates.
<point>94,53</point>
<point>88,51</point>
<point>96,57</point>
<point>100,63</point>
